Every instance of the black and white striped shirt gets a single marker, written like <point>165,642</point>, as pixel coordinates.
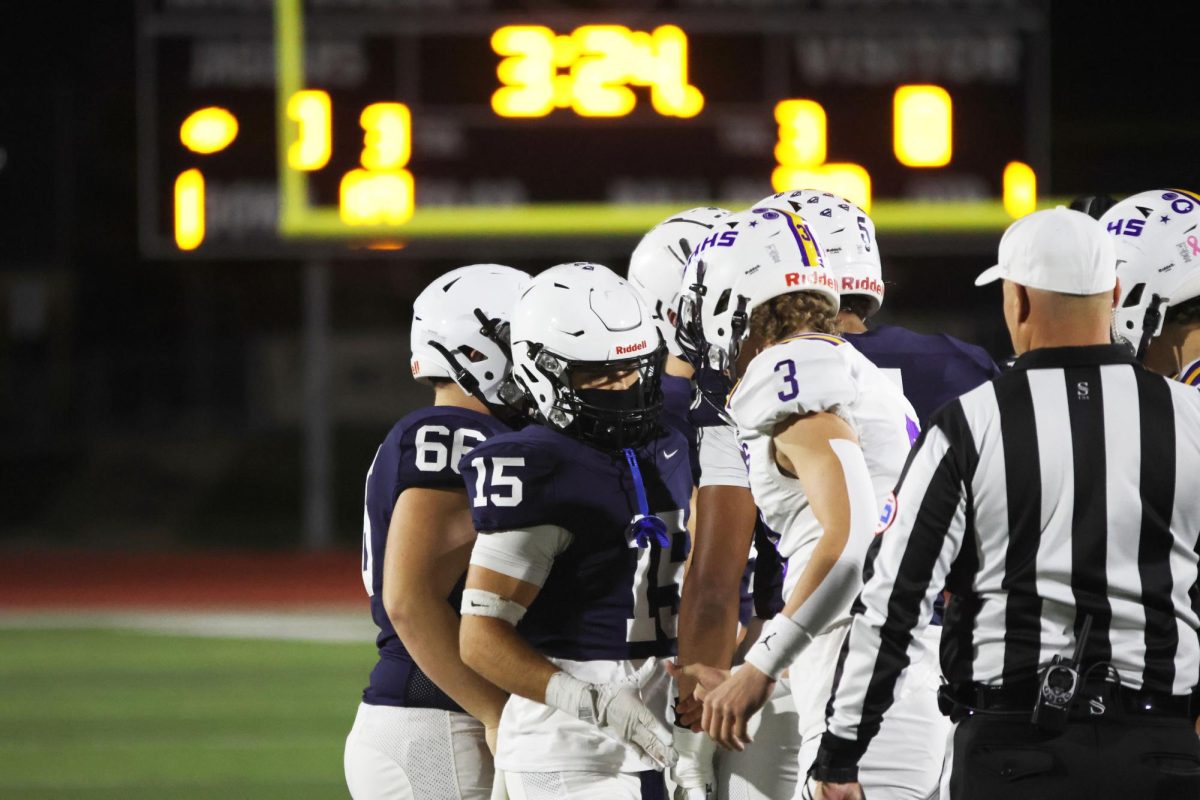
<point>1068,486</point>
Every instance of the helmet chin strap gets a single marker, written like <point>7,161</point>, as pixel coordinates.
<point>462,376</point>
<point>1150,322</point>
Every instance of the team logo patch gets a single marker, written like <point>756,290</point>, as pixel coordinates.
<point>888,516</point>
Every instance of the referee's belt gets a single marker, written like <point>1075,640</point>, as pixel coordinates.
<point>1093,701</point>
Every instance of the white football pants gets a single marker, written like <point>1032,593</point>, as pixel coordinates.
<point>904,761</point>
<point>417,754</point>
<point>767,768</point>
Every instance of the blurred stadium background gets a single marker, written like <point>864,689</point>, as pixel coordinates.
<point>185,427</point>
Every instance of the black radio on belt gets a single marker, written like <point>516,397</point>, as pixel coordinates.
<point>1057,685</point>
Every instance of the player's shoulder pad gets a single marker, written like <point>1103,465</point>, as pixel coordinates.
<point>805,374</point>
<point>430,442</point>
<point>510,480</point>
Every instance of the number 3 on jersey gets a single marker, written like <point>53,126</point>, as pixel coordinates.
<point>506,490</point>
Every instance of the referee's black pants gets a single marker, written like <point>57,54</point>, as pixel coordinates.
<point>1133,758</point>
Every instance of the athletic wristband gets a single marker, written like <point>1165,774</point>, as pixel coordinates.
<point>782,639</point>
<point>480,603</point>
<point>567,693</point>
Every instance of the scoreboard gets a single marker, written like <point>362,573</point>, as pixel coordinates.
<point>285,127</point>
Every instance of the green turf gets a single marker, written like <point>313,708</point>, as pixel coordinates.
<point>107,714</point>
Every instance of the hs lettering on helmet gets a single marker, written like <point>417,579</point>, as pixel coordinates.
<point>630,348</point>
<point>722,239</point>
<point>1126,227</point>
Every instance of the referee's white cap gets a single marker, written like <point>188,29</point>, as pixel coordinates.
<point>1058,250</point>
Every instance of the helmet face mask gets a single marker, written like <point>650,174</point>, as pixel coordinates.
<point>581,320</point>
<point>1158,265</point>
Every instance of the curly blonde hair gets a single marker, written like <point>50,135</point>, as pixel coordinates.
<point>789,314</point>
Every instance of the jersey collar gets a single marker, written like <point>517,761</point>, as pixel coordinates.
<point>1089,355</point>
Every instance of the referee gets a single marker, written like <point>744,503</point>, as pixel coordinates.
<point>1060,505</point>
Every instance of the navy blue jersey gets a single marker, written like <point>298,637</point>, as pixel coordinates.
<point>933,369</point>
<point>677,413</point>
<point>421,451</point>
<point>606,598</point>
<point>769,571</point>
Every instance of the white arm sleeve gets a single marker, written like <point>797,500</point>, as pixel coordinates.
<point>522,554</point>
<point>721,462</point>
<point>784,637</point>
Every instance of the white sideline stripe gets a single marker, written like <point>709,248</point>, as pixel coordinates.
<point>301,626</point>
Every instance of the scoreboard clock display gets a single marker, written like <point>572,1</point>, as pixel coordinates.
<point>283,126</point>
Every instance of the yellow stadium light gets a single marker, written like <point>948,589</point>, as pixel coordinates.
<point>528,72</point>
<point>208,130</point>
<point>665,71</point>
<point>850,181</point>
<point>311,110</point>
<point>923,126</point>
<point>1020,189</point>
<point>189,209</point>
<point>802,133</point>
<point>376,197</point>
<point>388,138</point>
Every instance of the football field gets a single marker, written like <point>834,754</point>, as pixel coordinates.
<point>118,713</point>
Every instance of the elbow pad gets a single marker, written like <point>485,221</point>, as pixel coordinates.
<point>785,637</point>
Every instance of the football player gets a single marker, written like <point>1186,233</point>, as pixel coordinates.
<point>1158,265</point>
<point>931,369</point>
<point>573,590</point>
<point>825,434</point>
<point>426,720</point>
<point>656,271</point>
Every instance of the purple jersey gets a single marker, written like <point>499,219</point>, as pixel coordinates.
<point>606,598</point>
<point>421,451</point>
<point>933,369</point>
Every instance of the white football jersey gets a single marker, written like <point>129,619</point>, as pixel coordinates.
<point>809,373</point>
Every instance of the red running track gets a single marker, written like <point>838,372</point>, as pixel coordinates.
<point>74,579</point>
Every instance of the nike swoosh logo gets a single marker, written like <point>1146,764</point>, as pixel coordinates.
<point>476,605</point>
<point>670,454</point>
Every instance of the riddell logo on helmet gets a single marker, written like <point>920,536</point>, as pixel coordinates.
<point>862,285</point>
<point>632,348</point>
<point>814,277</point>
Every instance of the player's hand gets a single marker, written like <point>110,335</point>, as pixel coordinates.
<point>614,708</point>
<point>729,705</point>
<point>693,774</point>
<point>837,791</point>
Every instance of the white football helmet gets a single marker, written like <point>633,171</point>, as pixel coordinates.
<point>656,266</point>
<point>760,254</point>
<point>1158,260</point>
<point>584,317</point>
<point>847,238</point>
<point>458,322</point>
